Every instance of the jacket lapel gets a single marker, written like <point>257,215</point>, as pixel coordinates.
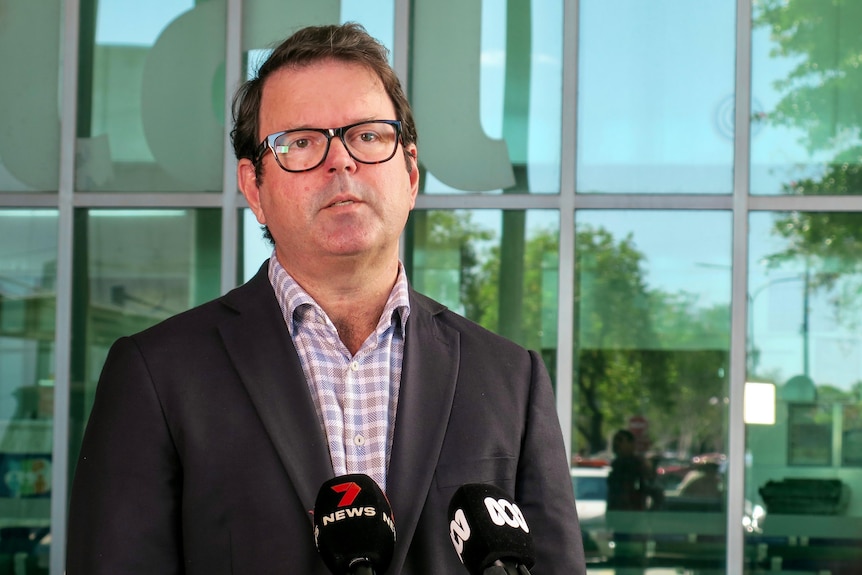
<point>431,361</point>
<point>260,347</point>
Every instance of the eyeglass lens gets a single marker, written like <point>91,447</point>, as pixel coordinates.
<point>368,142</point>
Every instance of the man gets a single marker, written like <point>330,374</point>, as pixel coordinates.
<point>630,482</point>
<point>212,432</point>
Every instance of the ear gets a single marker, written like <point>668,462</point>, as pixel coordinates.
<point>246,179</point>
<point>413,174</point>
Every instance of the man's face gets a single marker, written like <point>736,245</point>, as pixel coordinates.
<point>341,209</point>
<point>622,445</point>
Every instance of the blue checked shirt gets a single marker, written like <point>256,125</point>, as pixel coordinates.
<point>355,396</point>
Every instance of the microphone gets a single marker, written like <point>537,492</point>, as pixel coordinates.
<point>489,532</point>
<point>353,527</point>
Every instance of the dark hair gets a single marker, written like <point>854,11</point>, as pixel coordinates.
<point>348,43</point>
<point>625,433</point>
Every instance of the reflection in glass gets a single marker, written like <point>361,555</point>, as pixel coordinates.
<point>656,97</point>
<point>652,339</point>
<point>805,312</point>
<point>500,275</point>
<point>141,267</point>
<point>151,98</point>
<point>28,274</point>
<point>499,91</point>
<point>30,67</point>
<point>851,436</point>
<point>805,85</point>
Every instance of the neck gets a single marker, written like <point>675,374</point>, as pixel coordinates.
<point>352,296</point>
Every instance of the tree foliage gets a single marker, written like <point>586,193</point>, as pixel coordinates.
<point>642,351</point>
<point>822,94</point>
<point>822,97</point>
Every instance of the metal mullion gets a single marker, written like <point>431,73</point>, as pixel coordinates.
<point>735,552</point>
<point>567,202</point>
<point>401,65</point>
<point>229,196</point>
<point>63,326</point>
<point>123,200</point>
<point>488,201</point>
<point>29,200</point>
<point>806,203</point>
<point>401,41</point>
<point>655,201</point>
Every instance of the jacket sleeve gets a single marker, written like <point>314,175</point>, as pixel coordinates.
<point>544,486</point>
<point>124,514</point>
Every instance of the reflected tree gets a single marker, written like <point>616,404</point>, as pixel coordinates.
<point>540,248</point>
<point>822,93</point>
<point>821,97</point>
<point>453,238</point>
<point>645,352</point>
<point>616,373</point>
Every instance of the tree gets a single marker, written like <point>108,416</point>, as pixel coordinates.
<point>448,241</point>
<point>821,97</point>
<point>616,374</point>
<point>822,94</point>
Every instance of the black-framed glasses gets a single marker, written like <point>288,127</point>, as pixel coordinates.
<point>371,142</point>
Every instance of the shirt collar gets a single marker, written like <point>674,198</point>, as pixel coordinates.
<point>291,297</point>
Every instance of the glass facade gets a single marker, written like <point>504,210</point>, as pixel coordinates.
<point>656,100</point>
<point>150,97</point>
<point>804,344</point>
<point>662,198</point>
<point>28,306</point>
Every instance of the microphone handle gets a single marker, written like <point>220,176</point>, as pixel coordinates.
<point>363,569</point>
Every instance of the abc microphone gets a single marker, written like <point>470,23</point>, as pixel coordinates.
<point>353,527</point>
<point>489,532</point>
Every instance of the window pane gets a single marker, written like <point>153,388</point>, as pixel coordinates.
<point>498,268</point>
<point>656,96</point>
<point>141,267</point>
<point>29,66</point>
<point>652,339</point>
<point>267,22</point>
<point>151,98</point>
<point>487,100</point>
<point>28,263</point>
<point>803,474</point>
<point>807,111</point>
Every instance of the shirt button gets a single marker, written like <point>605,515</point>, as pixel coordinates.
<point>354,366</point>
<point>359,440</point>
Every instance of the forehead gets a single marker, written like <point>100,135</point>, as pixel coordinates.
<point>325,94</point>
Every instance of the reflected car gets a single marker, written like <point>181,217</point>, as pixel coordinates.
<point>590,485</point>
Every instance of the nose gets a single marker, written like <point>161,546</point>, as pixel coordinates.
<point>338,158</point>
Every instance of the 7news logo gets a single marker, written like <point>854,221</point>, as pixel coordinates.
<point>350,491</point>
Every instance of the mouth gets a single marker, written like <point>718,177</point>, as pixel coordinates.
<point>342,200</point>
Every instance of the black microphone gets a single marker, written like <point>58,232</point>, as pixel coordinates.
<point>353,527</point>
<point>489,532</point>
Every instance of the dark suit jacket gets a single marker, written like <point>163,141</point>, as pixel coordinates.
<point>204,455</point>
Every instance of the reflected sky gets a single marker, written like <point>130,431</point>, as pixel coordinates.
<point>130,23</point>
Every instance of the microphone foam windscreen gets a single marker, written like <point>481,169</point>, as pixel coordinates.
<point>486,526</point>
<point>353,521</point>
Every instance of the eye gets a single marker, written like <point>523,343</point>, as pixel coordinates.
<point>295,142</point>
